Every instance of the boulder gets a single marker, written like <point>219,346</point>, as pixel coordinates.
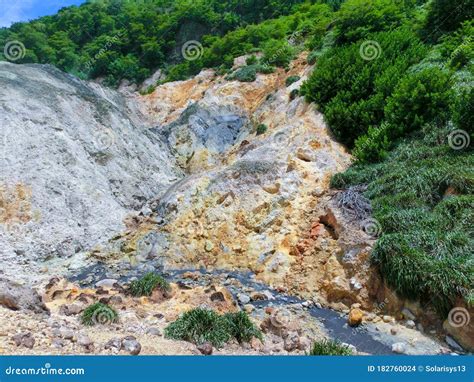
<point>18,297</point>
<point>355,317</point>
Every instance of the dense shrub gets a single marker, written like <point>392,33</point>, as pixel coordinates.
<point>351,91</point>
<point>419,99</point>
<point>446,16</point>
<point>203,325</point>
<point>357,19</point>
<point>147,284</point>
<point>278,53</point>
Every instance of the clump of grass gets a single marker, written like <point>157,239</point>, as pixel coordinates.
<point>261,129</point>
<point>203,325</point>
<point>241,328</point>
<point>146,284</point>
<point>329,347</point>
<point>99,313</point>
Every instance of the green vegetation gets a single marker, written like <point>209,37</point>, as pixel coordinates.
<point>329,347</point>
<point>99,313</point>
<point>261,129</point>
<point>147,284</point>
<point>203,325</point>
<point>241,328</point>
<point>291,80</point>
<point>400,117</point>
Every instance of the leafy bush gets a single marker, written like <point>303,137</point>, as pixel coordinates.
<point>419,99</point>
<point>252,60</point>
<point>357,19</point>
<point>147,284</point>
<point>203,325</point>
<point>261,129</point>
<point>373,146</point>
<point>99,313</point>
<point>352,91</point>
<point>329,347</point>
<point>278,53</point>
<point>446,16</point>
<point>291,80</point>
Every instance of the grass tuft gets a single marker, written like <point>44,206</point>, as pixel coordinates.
<point>203,325</point>
<point>145,285</point>
<point>329,347</point>
<point>99,313</point>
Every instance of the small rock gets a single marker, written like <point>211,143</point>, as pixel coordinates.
<point>58,343</point>
<point>410,324</point>
<point>399,347</point>
<point>408,314</point>
<point>84,340</point>
<point>453,344</point>
<point>258,296</point>
<point>307,304</point>
<point>153,331</point>
<point>393,331</point>
<point>387,319</point>
<point>114,344</point>
<point>217,296</point>
<point>116,299</point>
<point>256,344</point>
<point>24,339</point>
<point>292,341</point>
<point>249,308</point>
<point>355,317</point>
<point>131,345</point>
<point>205,348</point>
<point>209,246</point>
<point>66,333</point>
<point>243,298</point>
<point>106,283</point>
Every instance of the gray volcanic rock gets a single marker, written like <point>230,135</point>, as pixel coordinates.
<point>74,160</point>
<point>18,297</point>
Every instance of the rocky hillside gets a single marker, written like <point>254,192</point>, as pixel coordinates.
<point>99,187</point>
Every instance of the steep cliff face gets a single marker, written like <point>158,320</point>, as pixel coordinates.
<point>251,201</point>
<point>74,160</point>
